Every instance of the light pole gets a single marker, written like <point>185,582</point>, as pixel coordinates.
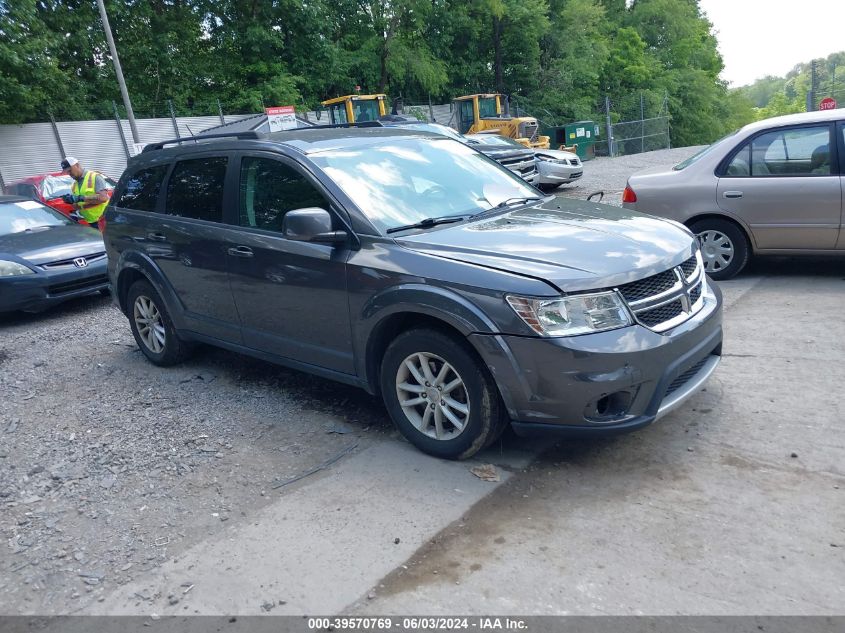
<point>119,72</point>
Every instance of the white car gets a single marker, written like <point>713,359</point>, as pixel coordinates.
<point>556,167</point>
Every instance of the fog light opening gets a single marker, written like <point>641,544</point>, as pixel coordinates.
<point>609,407</point>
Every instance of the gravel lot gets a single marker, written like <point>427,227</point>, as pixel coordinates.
<point>109,465</point>
<point>611,174</point>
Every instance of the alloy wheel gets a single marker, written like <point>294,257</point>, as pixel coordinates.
<point>717,250</point>
<point>149,323</point>
<point>433,396</point>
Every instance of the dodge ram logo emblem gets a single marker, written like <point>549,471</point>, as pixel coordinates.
<point>80,262</point>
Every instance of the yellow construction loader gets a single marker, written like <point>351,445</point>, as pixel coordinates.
<point>355,108</point>
<point>485,112</point>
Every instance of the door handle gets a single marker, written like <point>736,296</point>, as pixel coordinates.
<point>240,251</point>
<point>157,237</point>
<point>733,194</point>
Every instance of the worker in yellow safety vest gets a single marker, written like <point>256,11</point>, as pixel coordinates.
<point>88,192</point>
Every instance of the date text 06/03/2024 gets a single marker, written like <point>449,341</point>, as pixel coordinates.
<point>423,623</point>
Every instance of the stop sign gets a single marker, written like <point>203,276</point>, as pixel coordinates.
<point>828,103</point>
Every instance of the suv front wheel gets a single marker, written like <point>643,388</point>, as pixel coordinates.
<point>152,327</point>
<point>440,395</point>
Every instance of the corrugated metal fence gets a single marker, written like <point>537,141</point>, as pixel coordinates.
<point>37,148</point>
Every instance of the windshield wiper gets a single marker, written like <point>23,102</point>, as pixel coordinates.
<point>505,203</point>
<point>428,223</point>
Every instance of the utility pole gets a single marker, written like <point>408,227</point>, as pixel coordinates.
<point>119,72</point>
<point>609,126</point>
<point>811,96</point>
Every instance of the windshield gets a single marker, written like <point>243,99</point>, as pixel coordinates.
<point>365,110</point>
<point>406,180</point>
<point>487,107</point>
<point>55,186</point>
<point>702,153</point>
<point>58,186</point>
<point>16,217</point>
<point>495,139</point>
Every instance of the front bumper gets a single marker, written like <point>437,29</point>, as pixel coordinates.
<point>603,383</point>
<point>557,174</point>
<point>34,293</point>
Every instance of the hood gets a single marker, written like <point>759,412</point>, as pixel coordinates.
<point>572,244</point>
<point>500,152</point>
<point>556,153</point>
<point>52,244</point>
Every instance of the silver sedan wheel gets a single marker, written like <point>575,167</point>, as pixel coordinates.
<point>149,323</point>
<point>433,396</point>
<point>717,250</point>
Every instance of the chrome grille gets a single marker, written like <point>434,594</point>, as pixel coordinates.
<point>648,287</point>
<point>69,263</point>
<point>695,294</point>
<point>667,299</point>
<point>689,267</point>
<point>664,313</point>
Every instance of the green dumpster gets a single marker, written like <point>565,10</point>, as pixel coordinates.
<point>582,134</point>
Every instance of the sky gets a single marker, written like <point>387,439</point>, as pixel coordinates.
<point>769,37</point>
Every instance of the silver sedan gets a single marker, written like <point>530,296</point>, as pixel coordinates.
<point>556,167</point>
<point>775,187</point>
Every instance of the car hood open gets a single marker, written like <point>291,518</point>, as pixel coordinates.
<point>572,244</point>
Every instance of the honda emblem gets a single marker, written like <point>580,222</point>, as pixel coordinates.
<point>80,262</point>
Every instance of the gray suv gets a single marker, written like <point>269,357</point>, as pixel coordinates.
<point>417,268</point>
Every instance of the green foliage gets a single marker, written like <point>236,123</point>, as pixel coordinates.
<point>775,96</point>
<point>556,58</point>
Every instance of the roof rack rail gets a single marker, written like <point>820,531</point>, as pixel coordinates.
<point>325,126</point>
<point>175,141</point>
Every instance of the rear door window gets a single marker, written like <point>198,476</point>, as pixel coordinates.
<point>141,191</point>
<point>269,189</point>
<point>801,151</point>
<point>195,189</point>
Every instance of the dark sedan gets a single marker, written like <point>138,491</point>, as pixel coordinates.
<point>45,258</point>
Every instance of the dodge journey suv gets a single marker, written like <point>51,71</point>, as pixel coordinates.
<point>419,269</point>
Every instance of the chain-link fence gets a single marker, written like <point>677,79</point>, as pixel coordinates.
<point>634,124</point>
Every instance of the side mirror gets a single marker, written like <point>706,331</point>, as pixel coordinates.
<point>311,225</point>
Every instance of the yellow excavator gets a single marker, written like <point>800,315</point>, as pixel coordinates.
<point>355,108</point>
<point>489,112</point>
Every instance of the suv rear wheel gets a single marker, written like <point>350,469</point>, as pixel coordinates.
<point>440,395</point>
<point>152,327</point>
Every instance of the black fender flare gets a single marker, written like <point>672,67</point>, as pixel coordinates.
<point>146,267</point>
<point>418,299</point>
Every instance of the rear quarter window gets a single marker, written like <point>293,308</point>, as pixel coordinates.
<point>141,190</point>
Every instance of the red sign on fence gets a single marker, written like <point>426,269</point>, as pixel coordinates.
<point>281,118</point>
<point>828,103</point>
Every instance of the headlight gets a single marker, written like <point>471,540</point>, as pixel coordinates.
<point>573,315</point>
<point>14,269</point>
<point>549,159</point>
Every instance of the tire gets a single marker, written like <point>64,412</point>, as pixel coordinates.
<point>159,343</point>
<point>548,188</point>
<point>474,403</point>
<point>724,247</point>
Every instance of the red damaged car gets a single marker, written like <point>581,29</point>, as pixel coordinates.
<point>49,189</point>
